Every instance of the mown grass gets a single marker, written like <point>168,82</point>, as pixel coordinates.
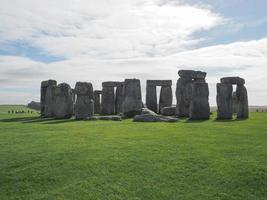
<point>65,159</point>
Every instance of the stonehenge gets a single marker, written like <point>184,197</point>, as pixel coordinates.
<point>108,98</point>
<point>165,94</point>
<point>97,102</point>
<point>229,102</point>
<point>192,95</point>
<point>199,105</point>
<point>63,106</point>
<point>47,97</point>
<point>224,101</point>
<point>132,99</point>
<point>84,104</point>
<point>118,100</point>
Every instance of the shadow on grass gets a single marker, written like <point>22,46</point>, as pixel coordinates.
<point>229,120</point>
<point>196,120</point>
<point>36,119</point>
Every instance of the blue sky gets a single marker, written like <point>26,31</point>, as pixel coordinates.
<point>75,40</point>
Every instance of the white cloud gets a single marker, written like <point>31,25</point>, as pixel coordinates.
<point>245,59</point>
<point>116,39</point>
<point>104,29</point>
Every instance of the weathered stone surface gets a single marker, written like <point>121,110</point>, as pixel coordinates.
<point>183,96</point>
<point>242,99</point>
<point>132,100</point>
<point>84,104</point>
<point>147,111</point>
<point>97,104</point>
<point>165,97</point>
<point>112,84</point>
<point>192,74</point>
<point>119,99</point>
<point>63,101</point>
<point>46,106</point>
<point>168,111</point>
<point>34,105</point>
<point>235,103</point>
<point>97,91</point>
<point>50,101</point>
<point>108,101</point>
<point>224,101</point>
<point>199,105</point>
<point>159,82</point>
<point>151,98</point>
<point>235,80</point>
<point>153,118</point>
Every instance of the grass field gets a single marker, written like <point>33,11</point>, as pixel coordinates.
<point>64,159</point>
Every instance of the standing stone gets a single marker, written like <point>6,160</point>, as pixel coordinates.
<point>242,100</point>
<point>183,96</point>
<point>119,99</point>
<point>224,101</point>
<point>235,103</point>
<point>199,106</point>
<point>165,99</point>
<point>132,99</point>
<point>63,101</point>
<point>151,97</point>
<point>97,104</point>
<point>47,99</point>
<point>108,101</point>
<point>84,105</point>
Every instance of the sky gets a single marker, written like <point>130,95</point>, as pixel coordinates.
<point>105,40</point>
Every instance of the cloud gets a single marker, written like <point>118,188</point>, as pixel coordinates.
<point>105,29</point>
<point>245,59</point>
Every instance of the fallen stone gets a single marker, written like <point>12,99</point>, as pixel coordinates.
<point>168,111</point>
<point>153,118</point>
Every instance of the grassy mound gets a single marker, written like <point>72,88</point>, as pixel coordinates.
<point>66,159</point>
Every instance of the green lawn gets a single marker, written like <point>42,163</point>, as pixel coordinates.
<point>64,159</point>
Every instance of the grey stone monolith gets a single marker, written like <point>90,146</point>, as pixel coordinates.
<point>235,103</point>
<point>119,99</point>
<point>151,98</point>
<point>107,100</point>
<point>84,104</point>
<point>224,101</point>
<point>166,97</point>
<point>242,101</point>
<point>97,102</point>
<point>132,99</point>
<point>183,96</point>
<point>199,105</point>
<point>63,101</point>
<point>47,98</point>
